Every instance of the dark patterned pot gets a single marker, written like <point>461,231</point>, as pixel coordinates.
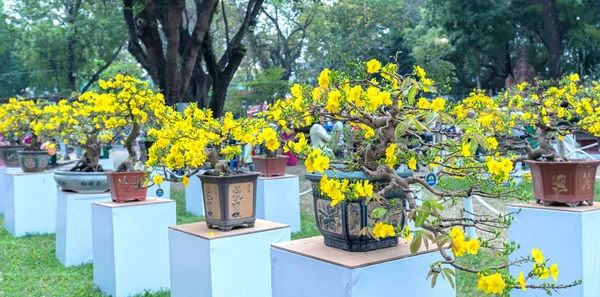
<point>81,182</point>
<point>9,156</point>
<point>270,166</point>
<point>229,201</point>
<point>33,161</point>
<point>342,223</point>
<point>564,182</point>
<point>127,186</point>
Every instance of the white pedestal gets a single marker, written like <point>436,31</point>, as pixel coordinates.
<point>30,206</point>
<point>569,236</point>
<point>3,187</point>
<point>205,265</point>
<point>164,191</point>
<point>131,245</point>
<point>278,200</point>
<point>74,226</point>
<point>307,267</point>
<point>194,199</point>
<point>107,164</point>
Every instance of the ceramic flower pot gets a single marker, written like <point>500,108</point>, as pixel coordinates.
<point>230,201</point>
<point>127,186</point>
<point>564,182</point>
<point>81,182</point>
<point>270,166</point>
<point>33,161</point>
<point>8,154</point>
<point>342,223</point>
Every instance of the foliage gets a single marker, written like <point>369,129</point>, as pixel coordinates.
<point>182,139</point>
<point>268,85</point>
<point>18,117</point>
<point>61,41</point>
<point>387,108</point>
<point>95,119</point>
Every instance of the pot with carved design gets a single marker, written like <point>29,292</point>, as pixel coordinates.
<point>341,224</point>
<point>229,201</point>
<point>570,182</point>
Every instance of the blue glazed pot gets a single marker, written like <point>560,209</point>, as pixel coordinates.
<point>341,224</point>
<point>33,161</point>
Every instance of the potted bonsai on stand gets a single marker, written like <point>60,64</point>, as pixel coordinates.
<point>190,140</point>
<point>96,119</point>
<point>26,119</point>
<point>360,201</point>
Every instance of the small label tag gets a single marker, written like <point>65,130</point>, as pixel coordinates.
<point>431,179</point>
<point>159,192</point>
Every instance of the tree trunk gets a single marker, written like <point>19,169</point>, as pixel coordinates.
<point>553,37</point>
<point>72,64</point>
<point>129,163</point>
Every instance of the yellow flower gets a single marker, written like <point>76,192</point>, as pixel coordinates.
<point>495,284</point>
<point>574,77</point>
<point>296,90</point>
<point>437,160</point>
<point>420,72</point>
<point>537,255</point>
<point>185,180</point>
<point>423,103</point>
<point>382,230</point>
<point>473,246</point>
<point>492,142</point>
<point>457,233</point>
<point>66,141</point>
<point>540,271</point>
<point>459,247</point>
<point>363,189</point>
<point>333,101</point>
<point>412,164</point>
<point>373,66</point>
<point>390,155</point>
<point>560,137</point>
<point>324,79</point>
<point>406,232</point>
<point>321,163</point>
<point>466,149</point>
<point>554,271</point>
<point>521,281</point>
<point>438,104</point>
<point>157,179</point>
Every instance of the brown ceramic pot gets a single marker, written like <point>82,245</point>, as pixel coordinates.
<point>127,186</point>
<point>230,201</point>
<point>564,182</point>
<point>270,166</point>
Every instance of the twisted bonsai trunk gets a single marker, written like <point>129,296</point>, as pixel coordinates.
<point>91,157</point>
<point>129,163</point>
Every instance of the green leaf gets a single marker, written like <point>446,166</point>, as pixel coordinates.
<point>412,92</point>
<point>434,279</point>
<point>419,126</point>
<point>378,213</point>
<point>402,127</point>
<point>421,218</point>
<point>416,243</point>
<point>450,280</point>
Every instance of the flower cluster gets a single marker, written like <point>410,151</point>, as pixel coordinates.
<point>336,190</point>
<point>460,244</point>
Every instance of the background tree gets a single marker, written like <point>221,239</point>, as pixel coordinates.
<point>189,70</point>
<point>12,77</point>
<point>61,40</point>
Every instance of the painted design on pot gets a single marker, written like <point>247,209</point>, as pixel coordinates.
<point>211,194</point>
<point>354,218</point>
<point>29,163</point>
<point>586,184</point>
<point>241,196</point>
<point>559,183</point>
<point>43,162</point>
<point>329,217</point>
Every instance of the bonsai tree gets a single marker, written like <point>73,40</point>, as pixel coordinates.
<point>20,117</point>
<point>391,116</point>
<point>96,119</point>
<point>195,139</point>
